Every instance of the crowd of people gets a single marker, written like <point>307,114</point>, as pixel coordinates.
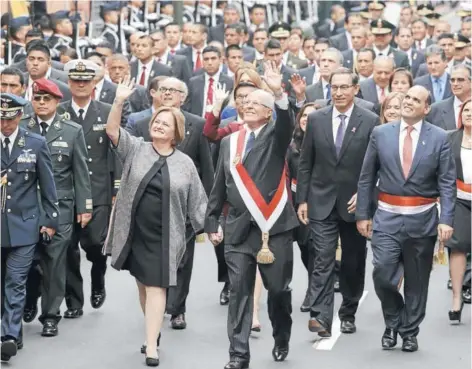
<point>129,146</point>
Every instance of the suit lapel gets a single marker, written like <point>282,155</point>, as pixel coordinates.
<point>134,69</point>
<point>456,149</point>
<point>396,146</point>
<point>328,130</point>
<point>188,132</point>
<point>55,130</point>
<point>91,118</point>
<point>420,148</point>
<point>104,92</point>
<point>201,91</point>
<point>448,113</point>
<point>354,122</point>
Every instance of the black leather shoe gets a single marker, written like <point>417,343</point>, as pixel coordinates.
<point>29,313</point>
<point>456,315</point>
<point>280,352</point>
<point>50,329</point>
<point>9,349</point>
<point>19,343</point>
<point>466,294</point>
<point>144,347</point>
<point>152,361</point>
<point>336,286</point>
<point>178,322</point>
<point>98,298</point>
<point>348,327</point>
<point>73,313</point>
<point>410,344</point>
<point>389,339</point>
<point>237,364</point>
<point>320,327</point>
<point>304,309</point>
<point>224,295</point>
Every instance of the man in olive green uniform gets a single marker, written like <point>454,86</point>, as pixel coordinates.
<point>66,143</point>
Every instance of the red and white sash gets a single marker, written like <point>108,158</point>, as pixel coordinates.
<point>265,215</point>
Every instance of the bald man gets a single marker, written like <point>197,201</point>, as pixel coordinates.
<point>413,165</point>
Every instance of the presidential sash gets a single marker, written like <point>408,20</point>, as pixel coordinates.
<point>264,214</point>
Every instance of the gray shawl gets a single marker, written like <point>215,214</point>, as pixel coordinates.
<point>187,198</point>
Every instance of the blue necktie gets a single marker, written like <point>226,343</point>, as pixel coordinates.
<point>438,96</point>
<point>340,133</point>
<point>328,92</point>
<point>250,143</point>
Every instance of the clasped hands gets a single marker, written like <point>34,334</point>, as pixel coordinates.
<point>216,238</point>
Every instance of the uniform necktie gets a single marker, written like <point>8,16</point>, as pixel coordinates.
<point>44,128</point>
<point>198,62</point>
<point>81,115</point>
<point>407,151</point>
<point>328,92</point>
<point>250,143</point>
<point>209,99</point>
<point>142,80</point>
<point>340,133</point>
<point>6,142</point>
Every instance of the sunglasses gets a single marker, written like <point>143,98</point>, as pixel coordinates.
<point>45,98</point>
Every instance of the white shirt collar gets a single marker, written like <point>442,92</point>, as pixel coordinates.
<point>12,137</point>
<point>348,114</point>
<point>457,102</point>
<point>77,107</point>
<point>417,126</point>
<point>164,56</point>
<point>148,65</point>
<point>216,77</point>
<point>256,132</point>
<point>384,51</point>
<point>48,122</point>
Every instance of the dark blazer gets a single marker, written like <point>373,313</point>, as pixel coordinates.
<point>63,87</point>
<point>265,163</point>
<point>194,145</point>
<point>455,140</point>
<point>368,92</point>
<point>196,87</point>
<point>426,82</point>
<point>187,52</point>
<point>28,168</point>
<point>158,69</point>
<point>417,58</point>
<point>348,56</point>
<point>422,70</point>
<point>107,95</point>
<point>217,33</point>
<point>432,175</point>
<point>286,75</point>
<point>442,114</point>
<point>98,145</point>
<point>400,58</point>
<point>325,181</point>
<point>249,53</point>
<point>295,62</point>
<point>308,73</point>
<point>180,67</point>
<point>358,101</point>
<point>322,29</point>
<point>315,92</point>
<point>339,41</point>
<point>21,65</point>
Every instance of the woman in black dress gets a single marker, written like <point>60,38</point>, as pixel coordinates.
<point>301,233</point>
<point>459,244</point>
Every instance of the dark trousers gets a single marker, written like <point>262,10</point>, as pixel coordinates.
<point>16,263</point>
<point>241,261</point>
<point>220,256</point>
<point>324,241</point>
<point>47,277</point>
<point>177,295</point>
<point>91,239</point>
<point>416,254</point>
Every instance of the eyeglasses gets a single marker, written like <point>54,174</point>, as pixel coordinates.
<point>342,88</point>
<point>458,80</point>
<point>45,98</point>
<point>164,90</point>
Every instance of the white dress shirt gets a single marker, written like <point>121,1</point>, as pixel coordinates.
<point>163,59</point>
<point>147,72</point>
<point>325,88</point>
<point>337,121</point>
<point>259,56</point>
<point>77,108</point>
<point>216,79</point>
<point>384,52</point>
<point>379,92</point>
<point>457,108</point>
<point>12,138</point>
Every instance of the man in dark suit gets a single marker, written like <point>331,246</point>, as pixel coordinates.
<point>382,31</point>
<point>343,41</point>
<point>334,25</point>
<point>38,65</point>
<point>358,40</point>
<point>404,41</point>
<point>146,67</point>
<point>419,29</point>
<point>66,144</point>
<point>410,161</point>
<point>200,95</point>
<point>313,49</point>
<point>163,54</point>
<point>29,213</point>
<point>336,139</point>
<point>256,153</point>
<point>445,114</point>
<point>171,92</point>
<point>92,115</point>
<point>437,79</point>
<point>109,12</point>
<point>234,35</point>
<point>230,16</point>
<point>193,53</point>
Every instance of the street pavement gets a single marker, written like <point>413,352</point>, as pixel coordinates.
<point>111,337</point>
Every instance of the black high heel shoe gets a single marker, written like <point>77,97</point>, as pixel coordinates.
<point>152,361</point>
<point>455,315</point>
<point>143,347</point>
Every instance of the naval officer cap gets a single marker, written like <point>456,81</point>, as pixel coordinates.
<point>381,27</point>
<point>280,30</point>
<point>460,41</point>
<point>375,5</point>
<point>11,106</point>
<point>81,70</point>
<point>45,86</point>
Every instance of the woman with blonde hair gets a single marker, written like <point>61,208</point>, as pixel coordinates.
<point>160,189</point>
<point>391,107</point>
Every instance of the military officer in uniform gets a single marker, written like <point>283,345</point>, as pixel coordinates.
<point>25,167</point>
<point>63,30</point>
<point>66,143</point>
<point>110,14</point>
<point>92,115</point>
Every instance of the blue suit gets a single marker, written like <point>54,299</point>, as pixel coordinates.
<point>28,167</point>
<point>136,117</point>
<point>407,239</point>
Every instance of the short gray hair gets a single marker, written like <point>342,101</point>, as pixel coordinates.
<point>265,98</point>
<point>383,58</point>
<point>432,50</point>
<point>465,67</point>
<point>338,53</point>
<point>182,85</point>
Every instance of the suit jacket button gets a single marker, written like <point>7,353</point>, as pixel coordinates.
<point>90,160</point>
<point>9,183</point>
<point>8,197</point>
<point>8,210</point>
<point>90,173</point>
<point>89,147</point>
<point>9,170</point>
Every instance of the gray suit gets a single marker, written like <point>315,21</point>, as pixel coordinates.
<point>368,92</point>
<point>315,92</point>
<point>326,182</point>
<point>442,114</point>
<point>417,59</point>
<point>308,73</point>
<point>407,239</point>
<point>66,143</point>
<point>426,82</point>
<point>180,68</point>
<point>400,58</point>
<point>249,53</point>
<point>243,236</point>
<point>339,41</point>
<point>348,56</point>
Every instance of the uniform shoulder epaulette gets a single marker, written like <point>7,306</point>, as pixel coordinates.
<point>70,123</point>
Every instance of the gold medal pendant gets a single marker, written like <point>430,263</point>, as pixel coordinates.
<point>265,256</point>
<point>237,159</point>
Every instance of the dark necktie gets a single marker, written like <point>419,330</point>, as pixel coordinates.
<point>340,133</point>
<point>44,128</point>
<point>6,152</point>
<point>328,92</point>
<point>81,115</point>
<point>250,143</point>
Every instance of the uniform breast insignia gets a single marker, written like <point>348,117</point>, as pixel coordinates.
<point>66,116</point>
<point>21,142</point>
<point>98,127</point>
<point>26,157</point>
<point>59,158</point>
<point>57,125</point>
<point>104,94</point>
<point>60,144</point>
<point>100,140</point>
<point>31,123</point>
